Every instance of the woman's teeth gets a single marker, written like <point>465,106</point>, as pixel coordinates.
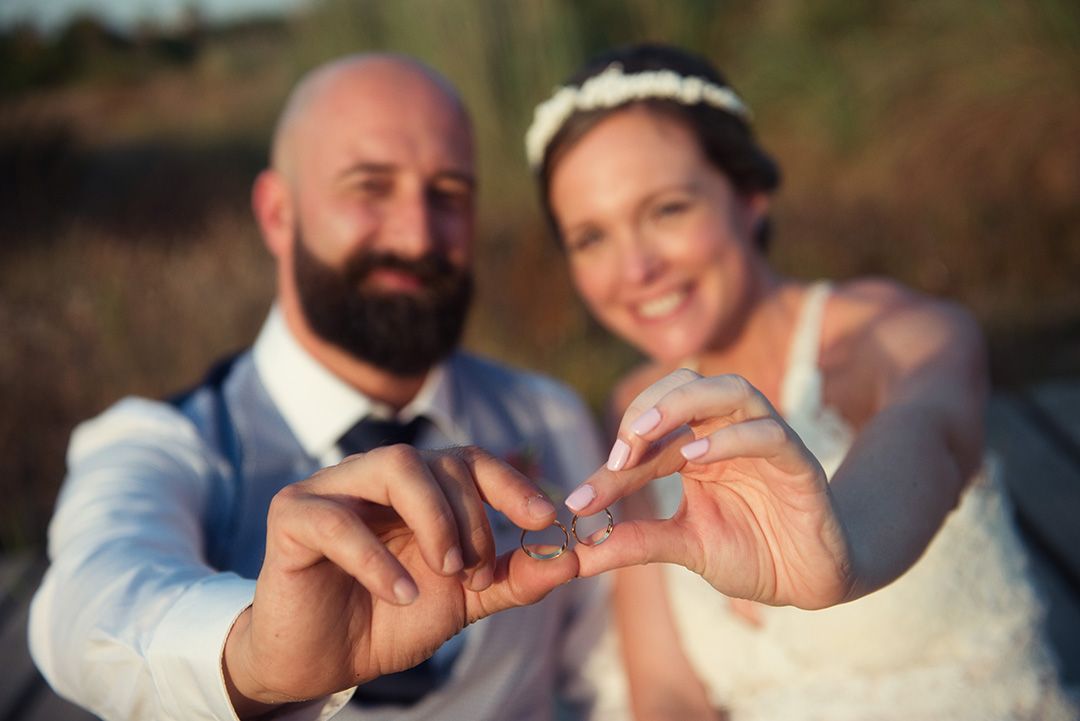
<point>661,306</point>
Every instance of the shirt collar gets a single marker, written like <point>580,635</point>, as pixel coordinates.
<point>319,407</point>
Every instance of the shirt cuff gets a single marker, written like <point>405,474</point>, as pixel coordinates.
<point>185,654</point>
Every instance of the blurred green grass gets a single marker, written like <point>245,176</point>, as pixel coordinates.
<point>938,143</point>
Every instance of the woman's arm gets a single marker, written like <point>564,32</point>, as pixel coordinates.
<point>911,460</point>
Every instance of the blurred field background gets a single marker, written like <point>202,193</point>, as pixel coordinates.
<point>936,142</point>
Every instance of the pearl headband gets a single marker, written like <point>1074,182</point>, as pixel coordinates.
<point>612,88</point>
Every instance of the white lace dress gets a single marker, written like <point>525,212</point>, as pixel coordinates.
<point>957,638</point>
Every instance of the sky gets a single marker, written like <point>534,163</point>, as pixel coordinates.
<point>49,15</point>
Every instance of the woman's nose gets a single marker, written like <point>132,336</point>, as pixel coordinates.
<point>641,261</point>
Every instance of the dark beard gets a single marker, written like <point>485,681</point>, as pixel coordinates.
<point>402,333</point>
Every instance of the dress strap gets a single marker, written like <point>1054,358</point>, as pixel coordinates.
<point>800,392</point>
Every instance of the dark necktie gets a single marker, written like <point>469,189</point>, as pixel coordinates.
<point>407,687</point>
<point>372,433</point>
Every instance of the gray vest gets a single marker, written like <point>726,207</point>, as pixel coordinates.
<point>258,454</point>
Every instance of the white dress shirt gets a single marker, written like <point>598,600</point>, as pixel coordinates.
<point>131,618</point>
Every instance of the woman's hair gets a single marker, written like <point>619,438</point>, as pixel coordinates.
<point>725,136</point>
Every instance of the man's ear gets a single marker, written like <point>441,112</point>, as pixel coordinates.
<point>271,202</point>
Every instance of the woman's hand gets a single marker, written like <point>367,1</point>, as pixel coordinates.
<point>757,519</point>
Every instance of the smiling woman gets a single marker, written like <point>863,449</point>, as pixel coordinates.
<point>836,429</point>
<point>668,246</point>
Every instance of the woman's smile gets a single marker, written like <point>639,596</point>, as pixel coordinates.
<point>663,307</point>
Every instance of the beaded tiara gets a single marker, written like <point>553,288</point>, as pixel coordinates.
<point>612,88</point>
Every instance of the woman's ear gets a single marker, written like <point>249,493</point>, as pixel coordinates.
<point>753,212</point>
<point>271,202</point>
<point>756,205</point>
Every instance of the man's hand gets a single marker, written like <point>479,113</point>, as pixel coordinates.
<point>757,519</point>
<point>372,564</point>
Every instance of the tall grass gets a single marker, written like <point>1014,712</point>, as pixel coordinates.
<point>934,142</point>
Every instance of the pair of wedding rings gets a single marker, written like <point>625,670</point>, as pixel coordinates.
<point>566,538</point>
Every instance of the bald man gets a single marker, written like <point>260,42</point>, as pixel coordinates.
<point>203,566</point>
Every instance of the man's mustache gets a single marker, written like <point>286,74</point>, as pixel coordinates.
<point>432,269</point>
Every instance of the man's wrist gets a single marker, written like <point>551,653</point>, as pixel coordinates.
<point>246,696</point>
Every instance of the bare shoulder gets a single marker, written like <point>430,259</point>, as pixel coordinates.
<point>875,296</point>
<point>876,310</point>
<point>921,353</point>
<point>902,339</point>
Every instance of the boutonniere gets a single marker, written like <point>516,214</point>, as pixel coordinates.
<point>526,461</point>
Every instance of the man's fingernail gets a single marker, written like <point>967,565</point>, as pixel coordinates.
<point>580,497</point>
<point>405,591</point>
<point>695,450</point>
<point>620,452</point>
<point>482,579</point>
<point>540,507</point>
<point>453,562</point>
<point>645,422</point>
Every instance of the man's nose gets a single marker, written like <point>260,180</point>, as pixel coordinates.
<point>409,226</point>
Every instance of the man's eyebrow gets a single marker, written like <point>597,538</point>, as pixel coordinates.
<point>369,168</point>
<point>376,168</point>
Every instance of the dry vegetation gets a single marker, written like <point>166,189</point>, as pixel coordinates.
<point>935,142</point>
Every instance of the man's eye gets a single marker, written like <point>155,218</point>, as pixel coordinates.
<point>450,198</point>
<point>374,187</point>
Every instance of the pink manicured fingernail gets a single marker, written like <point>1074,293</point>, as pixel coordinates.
<point>405,591</point>
<point>580,497</point>
<point>620,452</point>
<point>539,507</point>
<point>645,422</point>
<point>695,450</point>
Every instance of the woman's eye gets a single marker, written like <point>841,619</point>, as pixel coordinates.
<point>584,240</point>
<point>670,208</point>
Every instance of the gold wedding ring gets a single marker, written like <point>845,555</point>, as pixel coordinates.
<point>553,554</point>
<point>597,542</point>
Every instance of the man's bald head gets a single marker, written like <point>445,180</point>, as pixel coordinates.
<point>367,78</point>
<point>368,209</point>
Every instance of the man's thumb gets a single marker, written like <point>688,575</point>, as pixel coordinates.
<point>519,581</point>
